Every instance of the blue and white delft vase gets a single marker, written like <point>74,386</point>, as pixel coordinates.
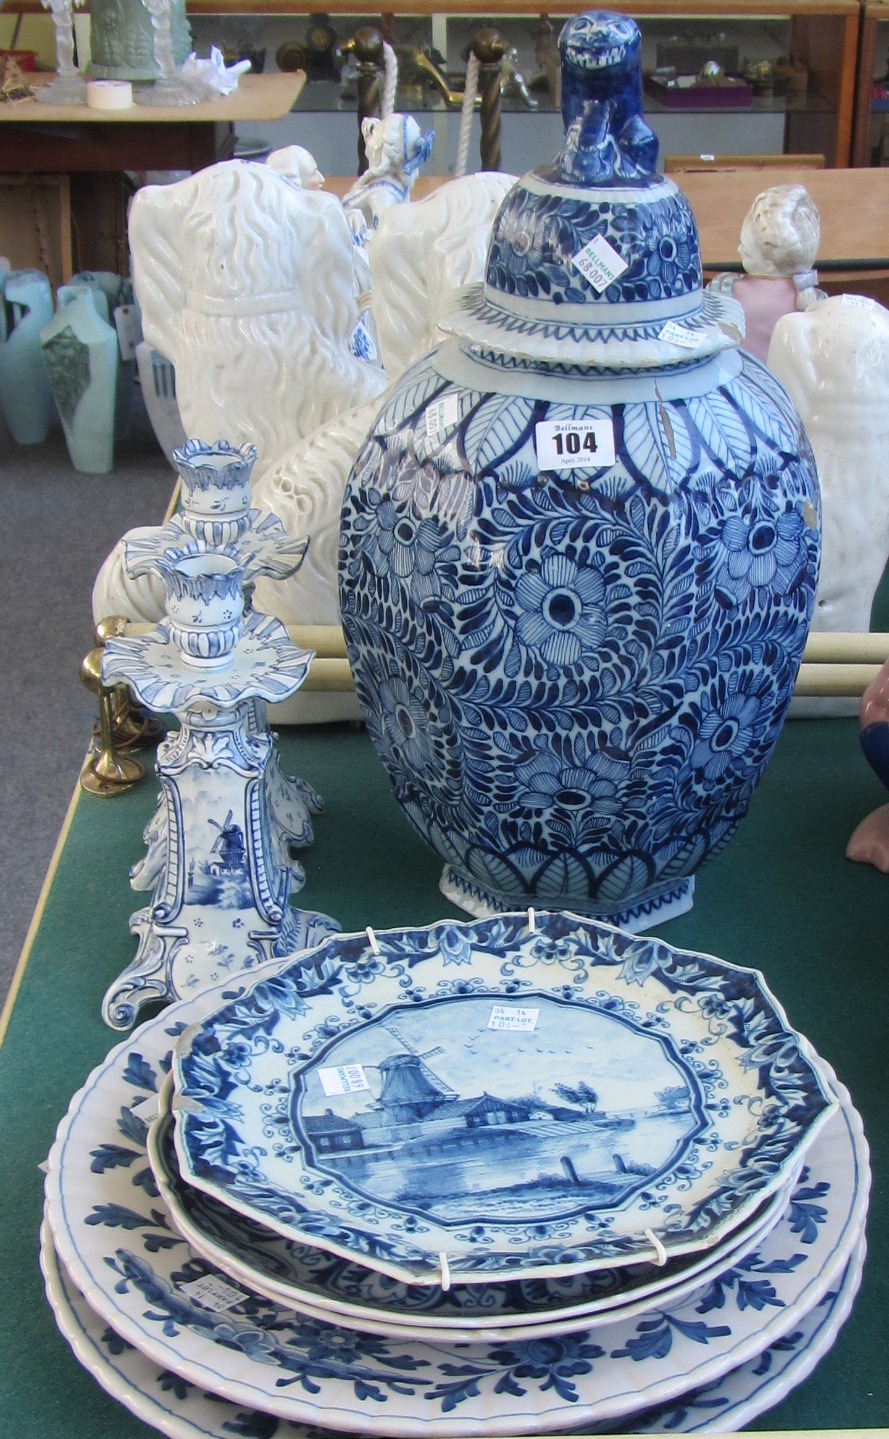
<point>580,543</point>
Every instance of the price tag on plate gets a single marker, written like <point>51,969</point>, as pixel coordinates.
<point>343,1079</point>
<point>599,263</point>
<point>574,444</point>
<point>515,1017</point>
<point>213,1293</point>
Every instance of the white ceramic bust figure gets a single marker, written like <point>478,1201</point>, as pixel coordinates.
<point>396,148</point>
<point>778,247</point>
<point>421,254</point>
<point>834,361</point>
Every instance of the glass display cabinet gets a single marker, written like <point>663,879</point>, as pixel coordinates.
<point>749,78</point>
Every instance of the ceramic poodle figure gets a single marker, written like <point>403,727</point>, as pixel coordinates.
<point>834,361</point>
<point>778,246</point>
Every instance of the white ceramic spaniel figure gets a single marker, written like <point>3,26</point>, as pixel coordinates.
<point>246,284</point>
<point>420,256</point>
<point>834,361</point>
<point>778,246</point>
<point>246,275</point>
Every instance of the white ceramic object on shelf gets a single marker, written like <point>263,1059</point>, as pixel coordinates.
<point>115,1243</point>
<point>834,361</point>
<point>183,1412</point>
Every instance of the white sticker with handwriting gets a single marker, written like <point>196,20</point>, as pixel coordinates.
<point>213,1293</point>
<point>343,1079</point>
<point>508,1016</point>
<point>680,335</point>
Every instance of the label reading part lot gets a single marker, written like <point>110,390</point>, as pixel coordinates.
<point>343,1079</point>
<point>599,263</point>
<point>441,415</point>
<point>213,1293</point>
<point>574,444</point>
<point>507,1016</point>
<point>679,335</point>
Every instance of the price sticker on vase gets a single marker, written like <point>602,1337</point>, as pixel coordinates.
<point>442,415</point>
<point>574,444</point>
<point>599,263</point>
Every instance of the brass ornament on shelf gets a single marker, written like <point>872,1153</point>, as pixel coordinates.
<point>105,771</point>
<point>133,727</point>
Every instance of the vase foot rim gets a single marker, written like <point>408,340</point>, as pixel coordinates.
<point>666,902</point>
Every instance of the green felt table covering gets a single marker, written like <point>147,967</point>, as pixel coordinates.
<point>781,897</point>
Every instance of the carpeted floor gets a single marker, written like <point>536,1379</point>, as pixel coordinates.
<point>56,528</point>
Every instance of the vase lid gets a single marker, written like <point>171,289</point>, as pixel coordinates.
<point>594,260</point>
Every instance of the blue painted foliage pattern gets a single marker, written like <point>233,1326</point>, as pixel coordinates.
<point>536,237</point>
<point>575,680</point>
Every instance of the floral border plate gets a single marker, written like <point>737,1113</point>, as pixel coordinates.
<point>182,1411</point>
<point>522,1096</point>
<point>122,1252</point>
<point>324,1286</point>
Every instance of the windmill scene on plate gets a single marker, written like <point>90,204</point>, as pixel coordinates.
<point>508,1113</point>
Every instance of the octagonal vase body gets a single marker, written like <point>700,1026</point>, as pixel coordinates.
<point>575,679</point>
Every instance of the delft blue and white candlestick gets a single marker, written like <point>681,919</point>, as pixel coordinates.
<point>216,514</point>
<point>580,544</point>
<point>216,866</point>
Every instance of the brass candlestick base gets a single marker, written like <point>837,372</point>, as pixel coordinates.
<point>133,727</point>
<point>105,772</point>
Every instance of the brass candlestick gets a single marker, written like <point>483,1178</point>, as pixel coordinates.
<point>105,772</point>
<point>132,727</point>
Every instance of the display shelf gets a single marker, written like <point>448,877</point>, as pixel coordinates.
<point>870,138</point>
<point>822,35</point>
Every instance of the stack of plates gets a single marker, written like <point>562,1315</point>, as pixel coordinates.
<point>513,1176</point>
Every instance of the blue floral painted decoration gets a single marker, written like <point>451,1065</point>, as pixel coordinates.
<point>580,545</point>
